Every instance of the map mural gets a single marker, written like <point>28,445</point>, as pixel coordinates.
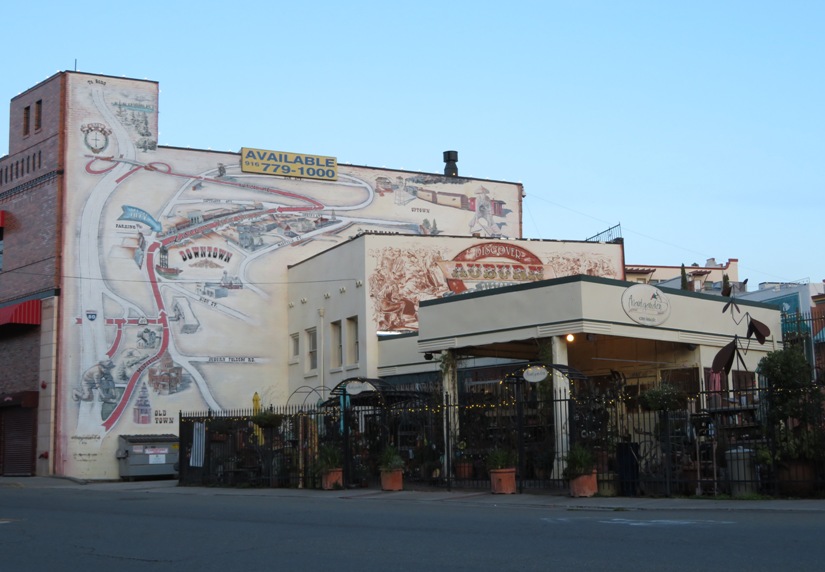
<point>174,295</point>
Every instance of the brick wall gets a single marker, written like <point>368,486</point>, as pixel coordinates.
<point>48,92</point>
<point>20,358</point>
<point>29,194</point>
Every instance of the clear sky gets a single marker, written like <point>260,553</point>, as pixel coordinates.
<point>698,126</point>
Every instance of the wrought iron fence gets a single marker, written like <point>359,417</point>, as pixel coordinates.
<point>727,442</point>
<point>806,331</point>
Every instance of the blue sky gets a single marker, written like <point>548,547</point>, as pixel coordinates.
<point>698,126</point>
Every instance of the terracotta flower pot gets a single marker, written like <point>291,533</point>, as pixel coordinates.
<point>464,470</point>
<point>332,479</point>
<point>503,481</point>
<point>796,478</point>
<point>584,485</point>
<point>392,480</point>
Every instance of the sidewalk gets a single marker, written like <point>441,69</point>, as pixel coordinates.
<point>460,496</point>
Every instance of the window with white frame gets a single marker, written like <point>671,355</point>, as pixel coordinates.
<point>337,343</point>
<point>352,341</point>
<point>312,349</point>
<point>294,348</point>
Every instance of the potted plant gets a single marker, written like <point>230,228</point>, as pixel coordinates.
<point>544,462</point>
<point>392,470</point>
<point>268,419</point>
<point>501,465</point>
<point>581,471</point>
<point>463,462</point>
<point>330,467</point>
<point>663,397</point>
<point>793,419</point>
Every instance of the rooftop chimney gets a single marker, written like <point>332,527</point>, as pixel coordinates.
<point>450,160</point>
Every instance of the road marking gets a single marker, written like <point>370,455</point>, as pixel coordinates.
<point>663,522</point>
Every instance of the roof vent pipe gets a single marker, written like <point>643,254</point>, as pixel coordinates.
<point>450,160</point>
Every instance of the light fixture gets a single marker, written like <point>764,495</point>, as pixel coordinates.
<point>570,337</point>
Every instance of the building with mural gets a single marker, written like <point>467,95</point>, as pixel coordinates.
<point>139,280</point>
<point>128,265</point>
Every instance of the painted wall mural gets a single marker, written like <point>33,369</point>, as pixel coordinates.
<point>175,286</point>
<point>402,277</point>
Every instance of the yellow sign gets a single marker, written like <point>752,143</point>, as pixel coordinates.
<point>288,164</point>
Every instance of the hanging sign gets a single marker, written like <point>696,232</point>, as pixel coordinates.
<point>535,373</point>
<point>646,305</point>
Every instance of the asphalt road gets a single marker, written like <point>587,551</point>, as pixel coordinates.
<point>96,529</point>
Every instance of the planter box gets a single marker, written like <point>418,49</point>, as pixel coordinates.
<point>464,470</point>
<point>607,486</point>
<point>796,479</point>
<point>392,480</point>
<point>332,479</point>
<point>503,481</point>
<point>584,485</point>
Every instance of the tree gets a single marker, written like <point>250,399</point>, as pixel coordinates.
<point>684,278</point>
<point>794,404</point>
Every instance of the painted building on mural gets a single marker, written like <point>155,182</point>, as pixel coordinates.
<point>166,269</point>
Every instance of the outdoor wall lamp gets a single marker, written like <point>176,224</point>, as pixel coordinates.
<point>570,337</point>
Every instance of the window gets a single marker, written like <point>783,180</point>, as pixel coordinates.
<point>38,114</point>
<point>27,111</point>
<point>743,380</point>
<point>336,359</point>
<point>294,348</point>
<point>352,340</point>
<point>312,349</point>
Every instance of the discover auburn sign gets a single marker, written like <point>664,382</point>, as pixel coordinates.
<point>491,265</point>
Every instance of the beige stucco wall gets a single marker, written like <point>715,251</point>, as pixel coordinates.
<point>400,271</point>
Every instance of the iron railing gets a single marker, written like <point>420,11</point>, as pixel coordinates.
<point>719,443</point>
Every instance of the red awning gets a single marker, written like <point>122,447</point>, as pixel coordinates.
<point>22,313</point>
<point>2,213</point>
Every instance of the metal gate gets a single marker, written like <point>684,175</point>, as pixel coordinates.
<point>17,441</point>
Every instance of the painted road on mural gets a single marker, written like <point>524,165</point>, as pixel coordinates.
<point>125,166</point>
<point>93,288</point>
